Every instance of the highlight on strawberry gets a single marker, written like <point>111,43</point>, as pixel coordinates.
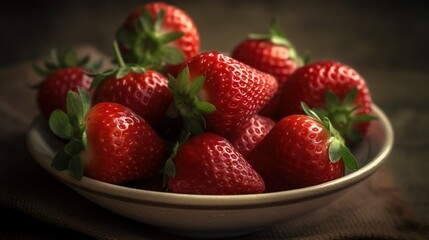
<point>145,91</point>
<point>301,151</point>
<point>158,36</point>
<point>64,72</point>
<point>271,53</point>
<point>236,90</point>
<point>106,142</point>
<point>334,90</point>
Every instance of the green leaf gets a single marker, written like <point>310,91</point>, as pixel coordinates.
<point>332,101</point>
<point>334,150</point>
<point>138,69</point>
<point>84,140</point>
<point>74,109</point>
<point>276,29</point>
<point>196,126</point>
<point>196,86</point>
<point>159,20</point>
<point>69,58</point>
<point>122,72</point>
<point>76,168</point>
<point>363,118</point>
<point>39,71</point>
<point>205,107</point>
<point>172,111</point>
<point>310,112</point>
<point>84,61</point>
<point>96,65</point>
<point>59,123</point>
<point>170,168</point>
<point>183,78</point>
<point>61,160</point>
<point>348,158</point>
<point>146,21</point>
<point>85,101</point>
<point>170,37</point>
<point>74,147</point>
<point>350,97</point>
<point>172,55</point>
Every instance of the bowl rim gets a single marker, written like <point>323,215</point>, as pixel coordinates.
<point>213,202</point>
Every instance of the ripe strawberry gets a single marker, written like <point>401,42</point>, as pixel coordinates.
<point>271,53</point>
<point>65,72</point>
<point>235,90</point>
<point>301,151</point>
<point>251,134</point>
<point>159,36</point>
<point>336,91</point>
<point>108,142</point>
<point>209,164</point>
<point>144,91</point>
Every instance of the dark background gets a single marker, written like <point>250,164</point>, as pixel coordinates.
<point>385,41</point>
<point>364,34</point>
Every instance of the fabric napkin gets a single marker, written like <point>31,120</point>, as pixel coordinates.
<point>375,209</point>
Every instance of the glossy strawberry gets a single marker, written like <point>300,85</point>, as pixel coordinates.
<point>300,151</point>
<point>251,134</point>
<point>336,91</point>
<point>108,142</point>
<point>271,53</point>
<point>209,164</point>
<point>144,91</point>
<point>65,72</point>
<point>235,90</point>
<point>159,36</point>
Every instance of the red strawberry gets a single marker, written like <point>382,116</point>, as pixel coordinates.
<point>159,35</point>
<point>235,90</point>
<point>300,151</point>
<point>64,73</point>
<point>209,164</point>
<point>144,91</point>
<point>108,142</point>
<point>336,90</point>
<point>251,134</point>
<point>271,53</point>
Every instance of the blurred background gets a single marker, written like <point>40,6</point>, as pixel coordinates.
<point>385,41</point>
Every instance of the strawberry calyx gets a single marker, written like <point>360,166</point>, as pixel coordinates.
<point>187,103</point>
<point>278,37</point>
<point>149,44</point>
<point>66,59</point>
<point>343,114</point>
<point>119,72</point>
<point>71,126</point>
<point>337,147</point>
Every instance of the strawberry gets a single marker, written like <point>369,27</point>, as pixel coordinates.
<point>65,72</point>
<point>108,142</point>
<point>335,90</point>
<point>271,53</point>
<point>301,151</point>
<point>209,164</point>
<point>234,91</point>
<point>144,91</point>
<point>159,36</point>
<point>251,134</point>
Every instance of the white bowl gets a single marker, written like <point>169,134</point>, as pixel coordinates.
<point>216,216</point>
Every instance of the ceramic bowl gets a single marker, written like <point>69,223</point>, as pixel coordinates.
<point>217,216</point>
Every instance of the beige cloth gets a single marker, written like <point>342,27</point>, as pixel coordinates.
<point>374,210</point>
